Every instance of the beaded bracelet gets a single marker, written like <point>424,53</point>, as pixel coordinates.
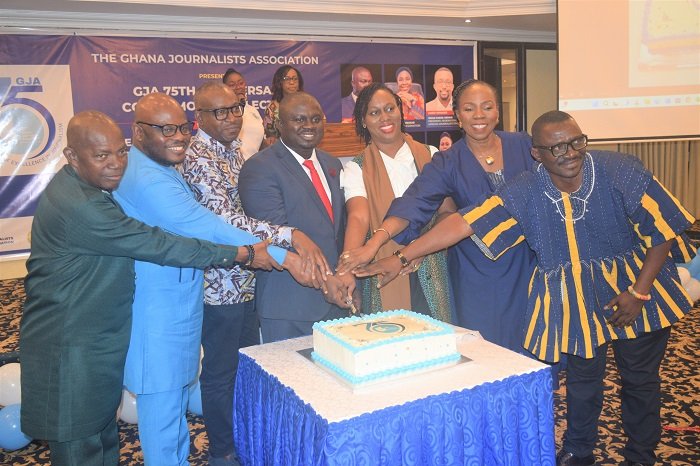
<point>402,258</point>
<point>636,294</point>
<point>251,255</point>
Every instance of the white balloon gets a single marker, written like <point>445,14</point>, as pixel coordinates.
<point>194,404</point>
<point>127,409</point>
<point>693,289</point>
<point>201,356</point>
<point>684,275</point>
<point>10,388</point>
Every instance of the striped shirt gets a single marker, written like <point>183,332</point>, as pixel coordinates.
<point>590,246</point>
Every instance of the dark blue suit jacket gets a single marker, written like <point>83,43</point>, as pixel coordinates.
<point>347,107</point>
<point>274,187</point>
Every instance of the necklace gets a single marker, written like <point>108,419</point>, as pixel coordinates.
<point>487,158</point>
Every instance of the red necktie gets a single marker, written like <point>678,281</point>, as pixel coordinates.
<point>316,180</point>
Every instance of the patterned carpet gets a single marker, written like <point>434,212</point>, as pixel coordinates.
<point>680,443</point>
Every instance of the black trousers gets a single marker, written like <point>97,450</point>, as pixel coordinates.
<point>225,329</point>
<point>638,362</point>
<point>283,329</point>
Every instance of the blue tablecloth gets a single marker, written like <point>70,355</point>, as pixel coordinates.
<point>505,422</point>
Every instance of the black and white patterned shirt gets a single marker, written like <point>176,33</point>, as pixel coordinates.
<point>212,171</point>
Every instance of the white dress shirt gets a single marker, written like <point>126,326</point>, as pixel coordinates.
<point>252,131</point>
<point>436,106</point>
<point>317,165</point>
<point>401,170</point>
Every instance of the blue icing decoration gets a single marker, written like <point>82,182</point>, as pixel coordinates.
<point>385,327</point>
<point>380,375</point>
<point>442,328</point>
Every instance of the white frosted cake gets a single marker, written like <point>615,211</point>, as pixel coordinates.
<point>383,345</point>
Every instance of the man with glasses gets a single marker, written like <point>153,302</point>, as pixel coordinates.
<point>76,320</point>
<point>211,167</point>
<point>360,77</point>
<point>163,356</point>
<point>602,228</point>
<point>443,83</point>
<point>252,132</point>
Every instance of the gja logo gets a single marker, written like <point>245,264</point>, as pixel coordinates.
<point>26,126</point>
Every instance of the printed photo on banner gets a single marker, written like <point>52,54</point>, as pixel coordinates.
<point>353,78</point>
<point>443,140</point>
<point>440,82</point>
<point>407,82</point>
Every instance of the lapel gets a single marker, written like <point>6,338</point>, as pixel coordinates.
<point>299,175</point>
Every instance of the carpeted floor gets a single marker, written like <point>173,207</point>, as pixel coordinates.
<point>680,443</point>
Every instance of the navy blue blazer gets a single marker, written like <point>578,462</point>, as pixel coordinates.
<point>274,187</point>
<point>347,107</point>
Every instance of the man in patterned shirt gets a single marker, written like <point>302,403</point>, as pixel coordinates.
<point>211,167</point>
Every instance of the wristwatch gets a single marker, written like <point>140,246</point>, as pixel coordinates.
<point>402,258</point>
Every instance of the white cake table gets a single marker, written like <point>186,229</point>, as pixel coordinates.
<point>495,409</point>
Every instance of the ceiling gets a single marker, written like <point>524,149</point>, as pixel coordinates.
<point>420,20</point>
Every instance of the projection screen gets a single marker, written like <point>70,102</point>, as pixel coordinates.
<point>630,69</point>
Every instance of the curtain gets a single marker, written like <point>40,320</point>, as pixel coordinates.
<point>676,164</point>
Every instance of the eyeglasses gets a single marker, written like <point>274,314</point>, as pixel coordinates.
<point>222,113</point>
<point>234,84</point>
<point>557,150</point>
<point>292,79</point>
<point>170,130</point>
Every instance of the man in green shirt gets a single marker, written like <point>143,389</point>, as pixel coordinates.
<point>76,322</point>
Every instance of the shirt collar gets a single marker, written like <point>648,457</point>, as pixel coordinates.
<point>404,152</point>
<point>146,160</point>
<point>216,145</point>
<point>299,158</point>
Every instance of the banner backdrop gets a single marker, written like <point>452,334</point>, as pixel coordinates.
<point>44,80</point>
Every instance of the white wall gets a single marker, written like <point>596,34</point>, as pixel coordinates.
<point>541,83</point>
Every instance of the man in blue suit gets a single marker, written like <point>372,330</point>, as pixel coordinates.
<point>163,356</point>
<point>292,183</point>
<point>360,77</point>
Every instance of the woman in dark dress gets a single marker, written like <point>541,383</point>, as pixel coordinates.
<point>490,296</point>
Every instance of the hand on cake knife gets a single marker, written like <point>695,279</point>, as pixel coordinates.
<point>350,301</point>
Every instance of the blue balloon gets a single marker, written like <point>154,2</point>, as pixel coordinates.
<point>11,435</point>
<point>195,403</point>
